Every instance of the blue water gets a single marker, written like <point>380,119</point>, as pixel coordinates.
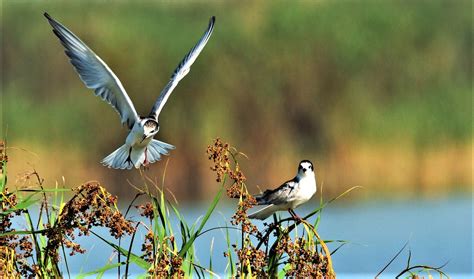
<point>437,231</point>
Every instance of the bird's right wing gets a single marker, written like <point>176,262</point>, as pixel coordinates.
<point>182,70</point>
<point>95,73</point>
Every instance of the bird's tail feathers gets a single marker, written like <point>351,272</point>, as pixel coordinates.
<point>126,157</point>
<point>119,159</point>
<point>263,213</point>
<point>262,198</point>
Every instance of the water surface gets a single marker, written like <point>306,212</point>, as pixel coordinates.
<point>437,231</point>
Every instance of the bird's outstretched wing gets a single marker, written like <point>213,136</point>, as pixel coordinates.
<point>182,70</point>
<point>283,194</point>
<point>95,73</point>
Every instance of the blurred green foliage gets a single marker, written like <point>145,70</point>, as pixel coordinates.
<point>277,77</point>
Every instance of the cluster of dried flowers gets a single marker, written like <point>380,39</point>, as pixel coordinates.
<point>91,206</point>
<point>220,153</point>
<point>252,262</point>
<point>146,210</point>
<point>9,243</point>
<point>165,264</point>
<point>12,249</point>
<point>303,259</point>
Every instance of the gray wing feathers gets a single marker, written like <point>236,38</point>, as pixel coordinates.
<point>281,195</point>
<point>95,73</point>
<point>182,70</point>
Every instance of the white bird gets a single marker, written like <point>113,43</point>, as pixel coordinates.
<point>290,195</point>
<point>140,148</point>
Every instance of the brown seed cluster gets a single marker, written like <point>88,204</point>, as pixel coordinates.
<point>303,259</point>
<point>8,203</point>
<point>251,260</point>
<point>146,210</point>
<point>165,264</point>
<point>12,248</point>
<point>147,247</point>
<point>91,206</point>
<point>3,155</point>
<point>241,217</point>
<point>7,263</point>
<point>220,153</point>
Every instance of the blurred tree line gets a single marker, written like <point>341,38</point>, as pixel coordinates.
<point>374,93</point>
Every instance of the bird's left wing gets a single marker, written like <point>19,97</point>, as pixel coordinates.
<point>182,70</point>
<point>283,194</point>
<point>95,73</point>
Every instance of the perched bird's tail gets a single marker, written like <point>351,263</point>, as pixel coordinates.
<point>127,157</point>
<point>119,159</point>
<point>263,213</point>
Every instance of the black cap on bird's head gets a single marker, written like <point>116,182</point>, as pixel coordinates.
<point>305,166</point>
<point>150,127</point>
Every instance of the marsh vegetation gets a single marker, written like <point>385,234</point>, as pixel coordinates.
<point>287,247</point>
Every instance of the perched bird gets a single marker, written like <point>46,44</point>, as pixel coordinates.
<point>290,195</point>
<point>140,148</point>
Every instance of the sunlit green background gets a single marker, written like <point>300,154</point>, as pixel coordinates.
<point>375,93</point>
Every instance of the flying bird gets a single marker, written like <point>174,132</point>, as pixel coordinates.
<point>140,148</point>
<point>290,195</point>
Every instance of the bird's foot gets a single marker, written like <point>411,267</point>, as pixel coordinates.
<point>129,159</point>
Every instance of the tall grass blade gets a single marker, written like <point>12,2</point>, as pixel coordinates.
<point>38,248</point>
<point>23,204</point>
<point>129,252</point>
<point>99,271</point>
<point>3,174</point>
<point>390,262</point>
<point>229,251</point>
<point>211,208</point>
<point>133,257</point>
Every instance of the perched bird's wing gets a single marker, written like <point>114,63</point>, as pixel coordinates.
<point>95,73</point>
<point>181,71</point>
<point>283,194</point>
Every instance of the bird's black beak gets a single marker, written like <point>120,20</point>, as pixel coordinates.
<point>144,137</point>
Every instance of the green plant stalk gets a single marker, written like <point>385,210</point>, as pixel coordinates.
<point>211,208</point>
<point>229,253</point>
<point>129,252</point>
<point>38,248</point>
<point>3,178</point>
<point>99,270</point>
<point>133,257</point>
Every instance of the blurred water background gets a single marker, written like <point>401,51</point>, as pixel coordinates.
<point>377,94</point>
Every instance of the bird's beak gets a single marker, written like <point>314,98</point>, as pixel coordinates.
<point>144,137</point>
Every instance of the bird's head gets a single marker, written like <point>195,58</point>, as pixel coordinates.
<point>150,127</point>
<point>305,168</point>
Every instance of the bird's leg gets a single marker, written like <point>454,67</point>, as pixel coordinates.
<point>295,216</point>
<point>129,159</point>
<point>145,163</point>
<point>146,158</point>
